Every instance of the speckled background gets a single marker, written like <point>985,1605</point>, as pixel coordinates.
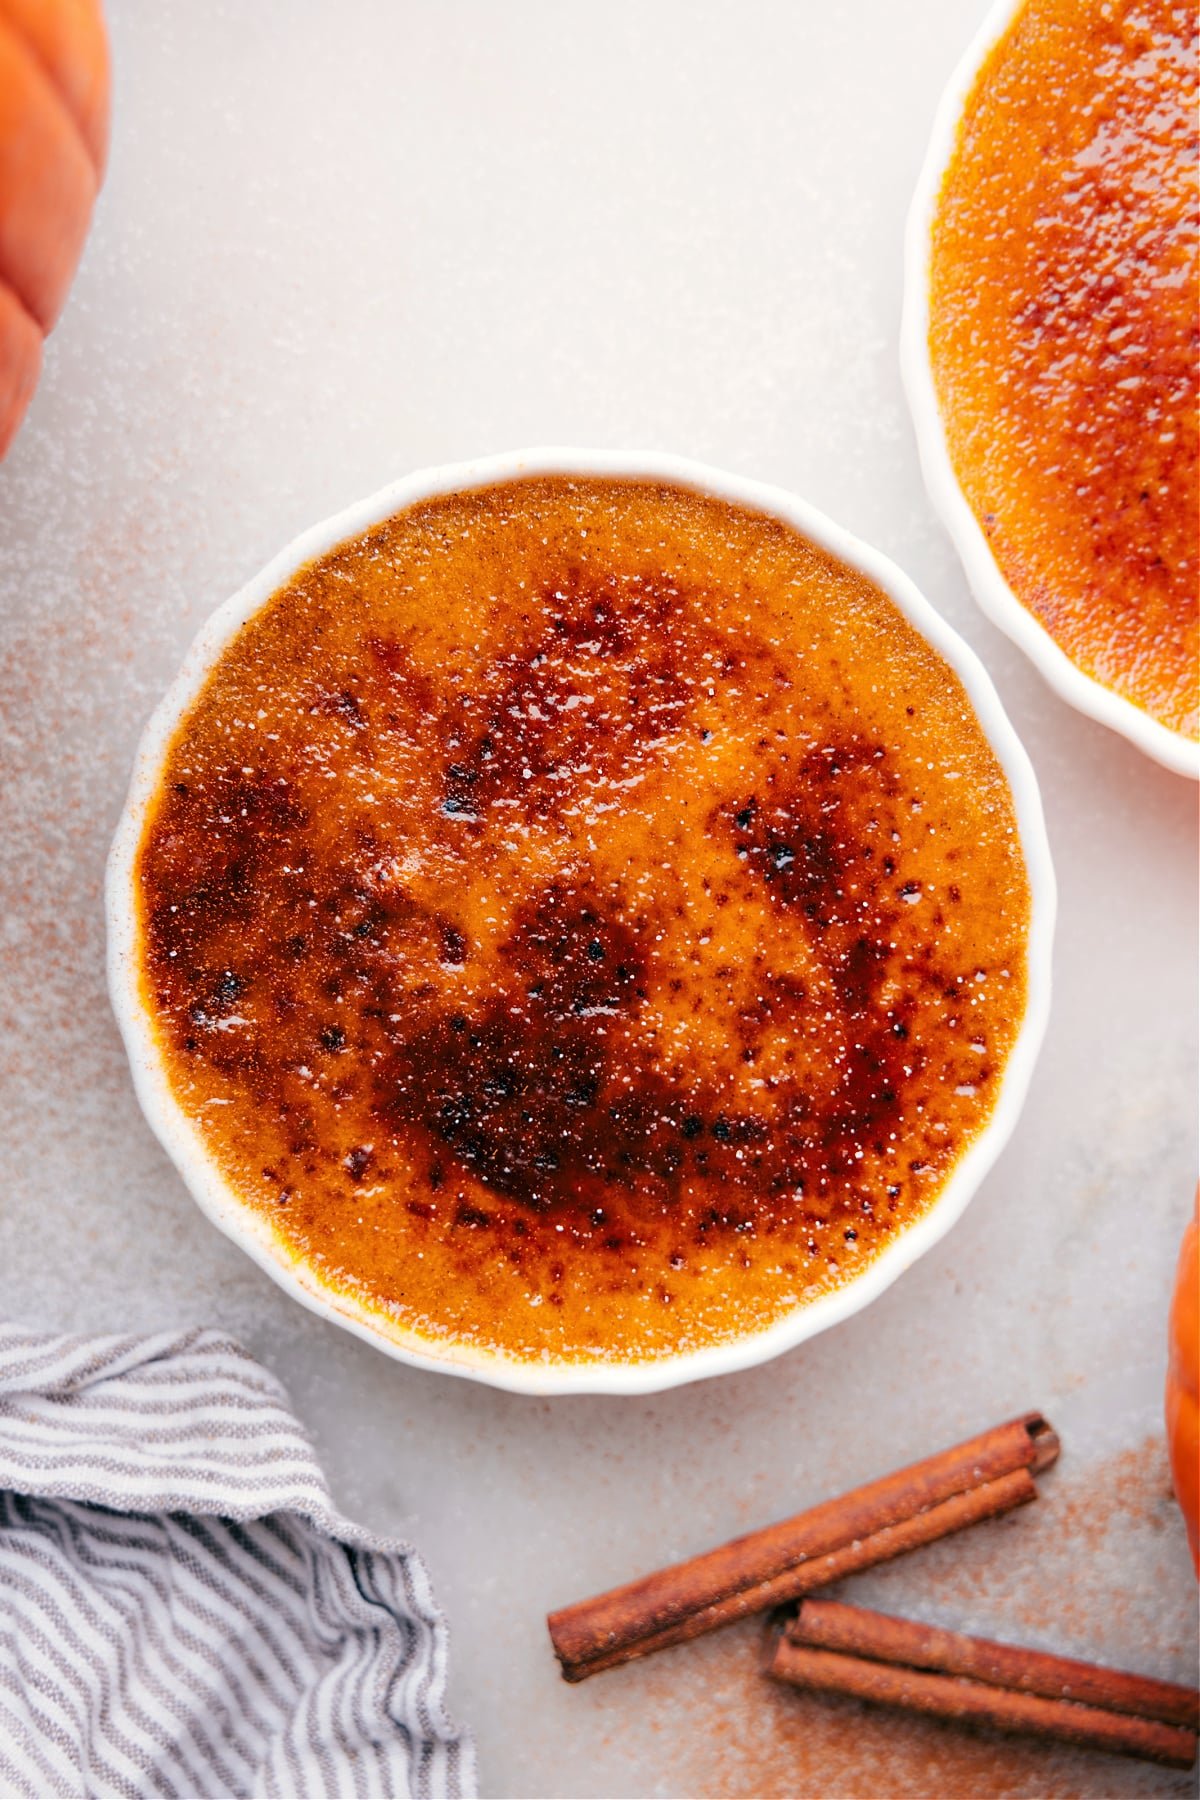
<point>340,242</point>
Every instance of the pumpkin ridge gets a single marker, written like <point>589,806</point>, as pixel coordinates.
<point>20,361</point>
<point>8,288</point>
<point>73,211</point>
<point>39,62</point>
<point>1182,1407</point>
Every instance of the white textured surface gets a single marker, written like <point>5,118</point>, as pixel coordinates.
<point>339,242</point>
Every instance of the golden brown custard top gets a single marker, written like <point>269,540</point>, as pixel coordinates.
<point>584,917</point>
<point>1063,333</point>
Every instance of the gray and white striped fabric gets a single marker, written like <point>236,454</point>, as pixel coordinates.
<point>182,1611</point>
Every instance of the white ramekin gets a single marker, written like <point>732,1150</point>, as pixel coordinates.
<point>988,584</point>
<point>251,1230</point>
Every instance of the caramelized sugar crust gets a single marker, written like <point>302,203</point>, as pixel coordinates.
<point>584,917</point>
<point>1064,337</point>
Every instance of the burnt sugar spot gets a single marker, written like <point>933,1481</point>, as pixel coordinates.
<point>547,1091</point>
<point>601,685</point>
<point>812,840</point>
<point>548,1098</point>
<point>525,1095</point>
<point>342,704</point>
<point>214,850</point>
<point>454,944</point>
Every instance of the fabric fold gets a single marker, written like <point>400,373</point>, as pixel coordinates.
<point>183,1611</point>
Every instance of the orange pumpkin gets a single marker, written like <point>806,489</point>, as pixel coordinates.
<point>54,95</point>
<point>1183,1384</point>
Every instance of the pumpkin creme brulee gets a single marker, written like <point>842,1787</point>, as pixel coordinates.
<point>1063,334</point>
<point>584,917</point>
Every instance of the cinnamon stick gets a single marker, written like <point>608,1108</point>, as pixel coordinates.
<point>832,1625</point>
<point>968,1508</point>
<point>956,1697</point>
<point>977,1479</point>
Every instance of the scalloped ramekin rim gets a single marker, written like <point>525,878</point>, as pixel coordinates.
<point>1082,691</point>
<point>252,1232</point>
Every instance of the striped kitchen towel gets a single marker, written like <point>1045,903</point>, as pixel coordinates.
<point>182,1611</point>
